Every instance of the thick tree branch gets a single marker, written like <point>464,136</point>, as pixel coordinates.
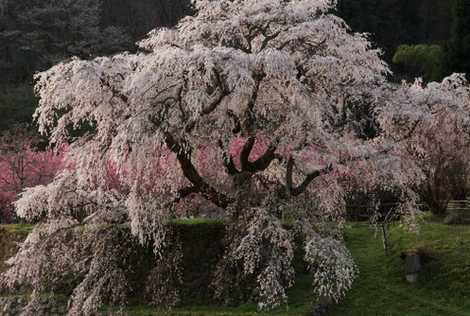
<point>248,118</point>
<point>246,151</point>
<point>296,191</point>
<point>268,38</point>
<point>263,162</point>
<point>236,122</point>
<point>218,95</point>
<point>228,161</point>
<point>114,91</point>
<point>221,91</point>
<point>190,172</point>
<point>303,186</point>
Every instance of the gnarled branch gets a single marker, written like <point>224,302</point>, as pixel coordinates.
<point>190,172</point>
<point>263,162</point>
<point>296,191</point>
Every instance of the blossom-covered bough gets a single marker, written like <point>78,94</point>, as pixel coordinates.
<point>248,104</point>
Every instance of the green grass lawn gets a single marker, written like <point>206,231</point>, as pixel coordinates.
<point>443,288</point>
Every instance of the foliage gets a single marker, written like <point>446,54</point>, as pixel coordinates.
<point>37,34</point>
<point>41,33</point>
<point>300,304</point>
<point>199,260</point>
<point>421,60</point>
<point>86,259</point>
<point>381,289</point>
<point>17,104</point>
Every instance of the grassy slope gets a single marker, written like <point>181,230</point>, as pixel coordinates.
<point>442,290</point>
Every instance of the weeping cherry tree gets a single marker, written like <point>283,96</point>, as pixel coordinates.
<point>248,105</point>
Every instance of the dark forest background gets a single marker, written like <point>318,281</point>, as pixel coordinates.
<point>425,38</point>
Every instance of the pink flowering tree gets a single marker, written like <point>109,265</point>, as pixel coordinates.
<point>249,105</point>
<point>22,166</point>
<point>431,124</point>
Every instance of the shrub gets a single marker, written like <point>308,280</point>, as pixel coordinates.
<point>421,60</point>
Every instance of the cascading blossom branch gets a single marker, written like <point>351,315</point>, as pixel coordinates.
<point>333,265</point>
<point>247,104</point>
